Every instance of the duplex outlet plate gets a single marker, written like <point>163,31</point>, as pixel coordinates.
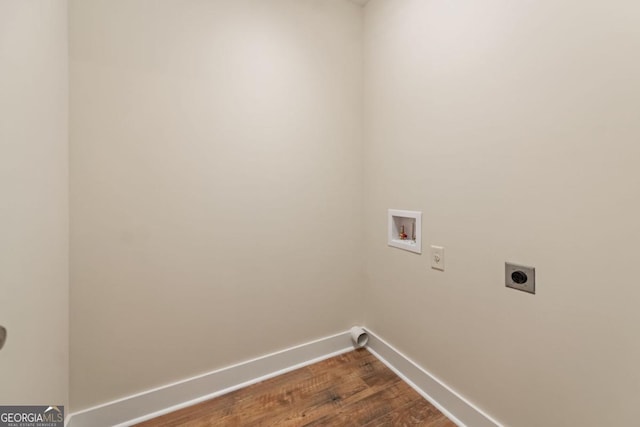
<point>437,258</point>
<point>520,277</point>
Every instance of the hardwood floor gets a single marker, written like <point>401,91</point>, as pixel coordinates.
<point>353,389</point>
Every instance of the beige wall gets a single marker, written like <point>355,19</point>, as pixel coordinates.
<point>216,185</point>
<point>34,281</point>
<point>217,192</point>
<point>514,127</point>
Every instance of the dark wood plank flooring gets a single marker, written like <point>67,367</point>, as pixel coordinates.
<point>353,389</point>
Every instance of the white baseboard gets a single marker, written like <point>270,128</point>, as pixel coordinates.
<point>156,402</point>
<point>153,403</point>
<point>455,407</point>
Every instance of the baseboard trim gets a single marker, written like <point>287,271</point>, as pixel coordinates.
<point>453,405</point>
<point>162,400</point>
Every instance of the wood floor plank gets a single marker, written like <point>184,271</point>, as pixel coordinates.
<point>231,404</point>
<point>386,398</point>
<point>352,389</point>
<point>418,413</point>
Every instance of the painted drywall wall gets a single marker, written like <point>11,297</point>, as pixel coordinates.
<point>514,127</point>
<point>34,282</point>
<point>216,185</point>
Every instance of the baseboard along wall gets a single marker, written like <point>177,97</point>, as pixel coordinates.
<point>162,400</point>
<point>453,405</point>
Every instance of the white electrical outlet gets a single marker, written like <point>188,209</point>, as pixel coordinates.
<point>437,257</point>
